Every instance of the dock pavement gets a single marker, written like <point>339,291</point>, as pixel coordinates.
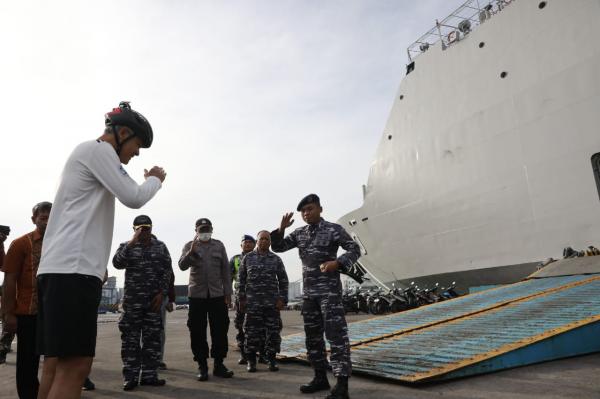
<point>568,378</point>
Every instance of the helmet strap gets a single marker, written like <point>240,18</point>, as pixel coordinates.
<point>118,141</point>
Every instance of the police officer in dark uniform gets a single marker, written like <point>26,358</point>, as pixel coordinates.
<point>148,270</point>
<point>322,307</point>
<point>248,244</point>
<point>209,293</point>
<point>262,292</point>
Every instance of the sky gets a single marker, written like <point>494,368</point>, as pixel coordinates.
<point>254,104</point>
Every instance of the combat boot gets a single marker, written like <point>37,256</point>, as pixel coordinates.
<point>251,367</point>
<point>262,358</point>
<point>340,390</point>
<point>202,370</point>
<point>220,370</point>
<point>319,383</point>
<point>273,363</point>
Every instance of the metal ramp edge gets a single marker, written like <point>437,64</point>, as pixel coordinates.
<point>559,324</point>
<point>574,340</point>
<point>293,345</point>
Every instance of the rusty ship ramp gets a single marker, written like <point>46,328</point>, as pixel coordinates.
<point>554,313</point>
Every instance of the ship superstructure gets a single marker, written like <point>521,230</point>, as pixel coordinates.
<point>484,167</point>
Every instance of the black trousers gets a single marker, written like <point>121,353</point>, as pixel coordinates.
<point>215,310</point>
<point>28,360</point>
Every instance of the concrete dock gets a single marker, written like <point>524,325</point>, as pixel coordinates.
<point>568,378</point>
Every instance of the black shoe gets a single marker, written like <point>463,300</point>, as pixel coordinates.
<point>251,367</point>
<point>2,357</point>
<point>162,366</point>
<point>273,364</point>
<point>340,390</point>
<point>243,360</point>
<point>88,385</point>
<point>221,371</point>
<point>129,385</point>
<point>153,382</point>
<point>251,363</point>
<point>202,370</point>
<point>262,358</point>
<point>319,383</point>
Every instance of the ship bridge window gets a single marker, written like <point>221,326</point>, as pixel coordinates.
<point>542,5</point>
<point>481,44</point>
<point>596,169</point>
<point>503,74</point>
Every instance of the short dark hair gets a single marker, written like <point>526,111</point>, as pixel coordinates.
<point>263,231</point>
<point>41,206</point>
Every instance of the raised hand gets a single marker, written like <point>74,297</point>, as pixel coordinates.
<point>156,171</point>
<point>286,221</point>
<point>136,237</point>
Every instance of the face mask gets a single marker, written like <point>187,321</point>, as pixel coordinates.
<point>204,236</point>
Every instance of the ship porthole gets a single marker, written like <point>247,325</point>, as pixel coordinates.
<point>503,74</point>
<point>389,136</point>
<point>401,96</point>
<point>542,5</point>
<point>481,44</point>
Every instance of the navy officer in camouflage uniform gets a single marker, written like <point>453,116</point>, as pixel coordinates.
<point>148,270</point>
<point>322,308</point>
<point>248,244</point>
<point>262,292</point>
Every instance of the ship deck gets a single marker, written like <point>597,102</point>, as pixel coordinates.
<point>574,377</point>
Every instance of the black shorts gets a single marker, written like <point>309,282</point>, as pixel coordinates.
<point>67,314</point>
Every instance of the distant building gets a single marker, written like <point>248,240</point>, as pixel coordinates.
<point>111,295</point>
<point>295,290</point>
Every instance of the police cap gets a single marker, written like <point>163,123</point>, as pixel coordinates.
<point>203,222</point>
<point>309,199</point>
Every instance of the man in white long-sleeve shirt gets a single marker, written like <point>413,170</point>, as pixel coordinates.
<point>77,246</point>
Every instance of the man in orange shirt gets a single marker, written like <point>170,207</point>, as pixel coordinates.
<point>6,338</point>
<point>19,301</point>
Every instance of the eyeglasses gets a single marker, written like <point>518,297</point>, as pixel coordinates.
<point>144,227</point>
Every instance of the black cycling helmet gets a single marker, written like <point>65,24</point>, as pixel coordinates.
<point>125,116</point>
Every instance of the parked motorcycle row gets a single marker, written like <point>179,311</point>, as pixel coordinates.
<point>377,300</point>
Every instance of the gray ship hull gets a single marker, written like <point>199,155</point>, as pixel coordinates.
<point>485,160</point>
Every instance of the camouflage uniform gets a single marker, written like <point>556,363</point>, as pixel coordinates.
<point>262,280</point>
<point>148,272</point>
<point>322,307</point>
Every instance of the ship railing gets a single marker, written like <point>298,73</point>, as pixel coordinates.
<point>454,27</point>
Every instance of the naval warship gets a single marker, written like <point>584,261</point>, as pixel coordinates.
<point>488,162</point>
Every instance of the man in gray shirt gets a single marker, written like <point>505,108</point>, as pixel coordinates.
<point>210,295</point>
